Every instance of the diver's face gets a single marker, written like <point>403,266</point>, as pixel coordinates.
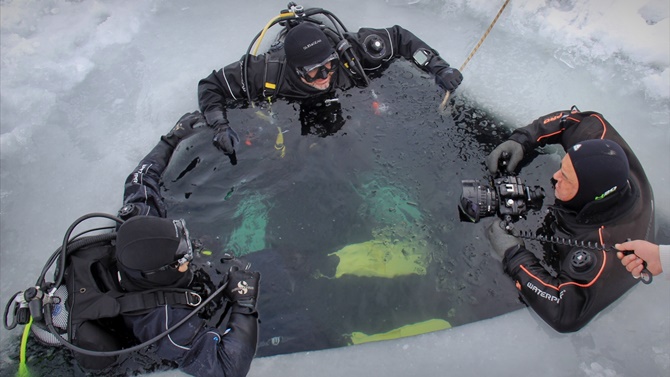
<point>320,83</point>
<point>566,181</point>
<point>183,267</point>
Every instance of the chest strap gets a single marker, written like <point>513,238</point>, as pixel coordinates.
<point>141,301</point>
<point>274,74</point>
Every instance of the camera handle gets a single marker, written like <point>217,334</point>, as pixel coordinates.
<point>645,276</point>
<point>508,224</point>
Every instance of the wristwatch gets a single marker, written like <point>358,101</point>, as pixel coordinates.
<point>422,57</point>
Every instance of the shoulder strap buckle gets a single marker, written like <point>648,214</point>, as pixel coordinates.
<point>274,74</point>
<point>192,298</point>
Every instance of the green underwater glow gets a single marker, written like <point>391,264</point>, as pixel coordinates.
<point>250,235</point>
<point>387,203</point>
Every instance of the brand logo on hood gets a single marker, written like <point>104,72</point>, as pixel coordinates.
<point>311,44</point>
<point>606,193</point>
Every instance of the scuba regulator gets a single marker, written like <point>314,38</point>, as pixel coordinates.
<point>295,14</point>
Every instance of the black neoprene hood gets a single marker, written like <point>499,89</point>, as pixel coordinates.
<point>305,44</point>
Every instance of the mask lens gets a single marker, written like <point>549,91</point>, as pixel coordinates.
<point>319,71</point>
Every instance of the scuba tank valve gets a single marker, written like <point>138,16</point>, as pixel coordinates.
<point>33,296</point>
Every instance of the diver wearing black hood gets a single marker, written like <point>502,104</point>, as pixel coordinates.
<point>144,286</point>
<point>313,61</point>
<point>602,196</point>
<point>154,252</point>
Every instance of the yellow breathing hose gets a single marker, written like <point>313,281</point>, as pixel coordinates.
<point>23,368</point>
<point>269,24</point>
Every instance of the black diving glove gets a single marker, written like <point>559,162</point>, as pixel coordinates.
<point>501,240</point>
<point>186,126</point>
<point>229,261</point>
<point>509,149</point>
<point>448,78</point>
<point>242,289</point>
<point>226,140</point>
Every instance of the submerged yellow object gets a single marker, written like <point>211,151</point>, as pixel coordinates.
<point>264,116</point>
<point>380,259</point>
<point>401,332</point>
<point>279,143</point>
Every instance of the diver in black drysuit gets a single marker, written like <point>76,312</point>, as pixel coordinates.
<point>283,73</point>
<point>196,348</point>
<point>585,281</point>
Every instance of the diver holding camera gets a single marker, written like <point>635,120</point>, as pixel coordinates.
<point>602,196</point>
<point>506,195</point>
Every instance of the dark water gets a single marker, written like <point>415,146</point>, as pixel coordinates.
<point>391,173</point>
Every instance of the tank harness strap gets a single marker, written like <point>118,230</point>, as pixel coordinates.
<point>274,74</point>
<point>348,58</point>
<point>139,301</point>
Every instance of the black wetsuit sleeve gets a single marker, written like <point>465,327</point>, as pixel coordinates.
<point>197,349</point>
<point>222,88</point>
<point>240,341</point>
<point>565,128</point>
<point>142,187</point>
<point>569,128</point>
<point>564,302</point>
<point>399,43</point>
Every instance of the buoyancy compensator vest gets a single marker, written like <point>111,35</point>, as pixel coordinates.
<point>82,309</point>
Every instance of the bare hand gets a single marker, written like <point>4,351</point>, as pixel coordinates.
<point>644,251</point>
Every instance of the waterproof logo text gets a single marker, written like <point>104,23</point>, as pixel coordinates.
<point>544,294</point>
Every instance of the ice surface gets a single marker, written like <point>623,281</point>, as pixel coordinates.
<point>87,87</point>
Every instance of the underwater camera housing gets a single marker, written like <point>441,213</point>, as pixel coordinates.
<point>508,196</point>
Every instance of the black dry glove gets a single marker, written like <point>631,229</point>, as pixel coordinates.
<point>242,289</point>
<point>448,78</point>
<point>229,261</point>
<point>186,126</point>
<point>226,140</point>
<point>512,150</point>
<point>501,240</point>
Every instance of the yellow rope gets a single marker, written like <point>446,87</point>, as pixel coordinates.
<point>474,50</point>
